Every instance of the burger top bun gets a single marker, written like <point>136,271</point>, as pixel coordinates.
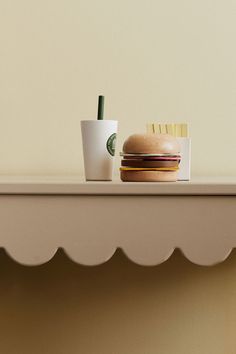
<point>151,144</point>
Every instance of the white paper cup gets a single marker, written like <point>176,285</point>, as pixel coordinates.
<point>99,139</point>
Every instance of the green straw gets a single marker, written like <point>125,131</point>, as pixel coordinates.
<point>100,107</point>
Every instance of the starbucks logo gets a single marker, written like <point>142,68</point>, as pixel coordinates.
<point>111,144</point>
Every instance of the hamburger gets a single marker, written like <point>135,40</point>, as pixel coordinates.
<point>150,158</point>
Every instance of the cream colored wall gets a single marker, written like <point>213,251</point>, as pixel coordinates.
<point>154,60</point>
<point>164,60</point>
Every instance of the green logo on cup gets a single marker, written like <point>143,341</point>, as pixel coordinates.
<point>111,144</point>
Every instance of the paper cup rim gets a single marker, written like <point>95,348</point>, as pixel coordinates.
<point>98,121</point>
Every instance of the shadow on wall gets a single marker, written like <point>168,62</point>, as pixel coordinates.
<point>117,307</point>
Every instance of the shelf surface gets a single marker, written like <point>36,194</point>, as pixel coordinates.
<point>90,220</point>
<point>76,185</point>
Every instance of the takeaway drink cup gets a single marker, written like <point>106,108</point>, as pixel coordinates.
<point>99,139</point>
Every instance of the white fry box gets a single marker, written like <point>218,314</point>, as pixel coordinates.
<point>185,163</point>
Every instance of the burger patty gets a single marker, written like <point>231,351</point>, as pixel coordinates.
<point>149,163</point>
<point>159,158</point>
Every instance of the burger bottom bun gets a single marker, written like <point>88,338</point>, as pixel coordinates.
<point>149,176</point>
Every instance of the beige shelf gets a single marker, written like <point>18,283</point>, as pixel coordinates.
<point>76,185</point>
<point>90,220</point>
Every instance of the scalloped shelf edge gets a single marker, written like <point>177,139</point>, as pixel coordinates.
<point>36,260</point>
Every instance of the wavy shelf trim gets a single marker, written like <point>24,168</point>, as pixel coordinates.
<point>147,221</point>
